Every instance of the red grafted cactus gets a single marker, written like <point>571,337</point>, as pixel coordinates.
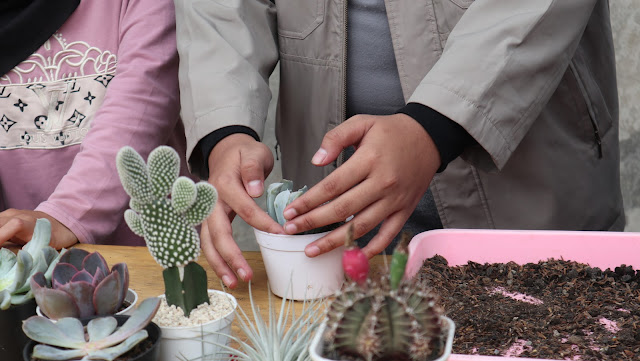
<point>82,285</point>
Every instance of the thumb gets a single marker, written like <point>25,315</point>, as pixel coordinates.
<point>337,139</point>
<point>254,166</point>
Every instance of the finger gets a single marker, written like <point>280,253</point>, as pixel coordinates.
<point>351,202</point>
<point>247,208</point>
<point>348,133</point>
<point>349,175</point>
<point>255,164</point>
<point>217,263</point>
<point>389,229</point>
<point>16,230</point>
<point>233,263</point>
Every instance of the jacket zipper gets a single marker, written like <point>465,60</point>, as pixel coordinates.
<point>343,116</point>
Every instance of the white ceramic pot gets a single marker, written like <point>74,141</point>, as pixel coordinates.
<point>131,298</point>
<point>294,275</point>
<point>202,342</point>
<point>315,347</point>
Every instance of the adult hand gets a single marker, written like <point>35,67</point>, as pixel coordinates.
<point>17,226</point>
<point>394,162</point>
<point>238,165</point>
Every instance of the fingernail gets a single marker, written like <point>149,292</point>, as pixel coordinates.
<point>319,156</point>
<point>254,188</point>
<point>312,251</point>
<point>242,273</point>
<point>290,213</point>
<point>290,228</point>
<point>226,280</point>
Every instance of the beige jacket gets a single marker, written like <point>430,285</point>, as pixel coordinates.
<point>532,81</point>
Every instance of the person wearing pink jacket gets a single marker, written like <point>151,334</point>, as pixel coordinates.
<point>81,79</point>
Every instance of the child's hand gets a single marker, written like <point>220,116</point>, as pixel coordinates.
<point>17,225</point>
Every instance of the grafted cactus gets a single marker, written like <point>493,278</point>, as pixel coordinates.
<point>16,270</point>
<point>104,340</point>
<point>385,318</point>
<point>81,286</point>
<point>168,224</point>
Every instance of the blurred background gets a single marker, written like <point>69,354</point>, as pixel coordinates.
<point>625,19</point>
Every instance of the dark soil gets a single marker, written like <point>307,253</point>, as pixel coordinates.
<point>586,313</point>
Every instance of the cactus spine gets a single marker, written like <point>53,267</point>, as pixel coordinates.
<point>380,321</point>
<point>168,224</point>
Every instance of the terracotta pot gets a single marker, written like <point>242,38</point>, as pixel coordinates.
<point>12,339</point>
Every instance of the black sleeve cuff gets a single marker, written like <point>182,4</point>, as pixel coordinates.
<point>449,137</point>
<point>200,156</point>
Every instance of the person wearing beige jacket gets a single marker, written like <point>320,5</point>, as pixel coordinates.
<point>493,114</point>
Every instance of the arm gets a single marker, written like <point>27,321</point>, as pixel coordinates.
<point>140,109</point>
<point>520,51</point>
<point>227,52</point>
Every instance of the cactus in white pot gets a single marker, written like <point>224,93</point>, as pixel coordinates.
<point>165,209</point>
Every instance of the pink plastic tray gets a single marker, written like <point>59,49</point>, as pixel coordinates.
<point>458,246</point>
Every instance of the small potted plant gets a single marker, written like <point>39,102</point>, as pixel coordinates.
<point>288,268</point>
<point>82,286</point>
<point>387,318</point>
<point>165,209</point>
<point>96,338</point>
<point>16,297</point>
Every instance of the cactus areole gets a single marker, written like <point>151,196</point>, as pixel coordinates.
<point>165,209</point>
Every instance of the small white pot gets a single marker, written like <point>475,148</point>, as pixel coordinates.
<point>131,298</point>
<point>202,342</point>
<point>315,347</point>
<point>294,275</point>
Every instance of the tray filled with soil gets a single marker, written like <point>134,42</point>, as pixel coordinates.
<point>551,295</point>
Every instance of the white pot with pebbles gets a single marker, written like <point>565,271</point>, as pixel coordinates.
<point>199,336</point>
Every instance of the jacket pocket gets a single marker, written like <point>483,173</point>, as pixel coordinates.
<point>299,18</point>
<point>447,14</point>
<point>462,3</point>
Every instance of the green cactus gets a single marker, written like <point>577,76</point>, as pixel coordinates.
<point>385,319</point>
<point>168,224</point>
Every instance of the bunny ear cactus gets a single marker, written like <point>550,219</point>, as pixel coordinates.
<point>168,224</point>
<point>386,318</point>
<point>81,286</point>
<point>16,270</point>
<point>102,339</point>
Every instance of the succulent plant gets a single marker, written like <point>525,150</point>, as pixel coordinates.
<point>284,337</point>
<point>68,339</point>
<point>386,318</point>
<point>16,270</point>
<point>168,224</point>
<point>280,195</point>
<point>81,286</point>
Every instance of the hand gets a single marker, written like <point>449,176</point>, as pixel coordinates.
<point>17,226</point>
<point>394,162</point>
<point>238,165</point>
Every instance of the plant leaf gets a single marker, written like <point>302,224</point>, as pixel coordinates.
<point>46,352</point>
<point>195,286</point>
<point>101,327</point>
<point>75,257</point>
<point>7,268</point>
<point>105,298</point>
<point>123,273</point>
<point>279,205</point>
<point>63,273</point>
<point>111,353</point>
<point>82,294</point>
<point>138,320</point>
<point>66,332</point>
<point>93,262</point>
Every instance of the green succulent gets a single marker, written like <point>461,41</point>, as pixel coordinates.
<point>165,209</point>
<point>16,270</point>
<point>65,339</point>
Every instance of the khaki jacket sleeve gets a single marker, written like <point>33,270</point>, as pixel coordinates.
<point>501,64</point>
<point>227,51</point>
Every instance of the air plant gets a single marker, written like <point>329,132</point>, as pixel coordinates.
<point>280,195</point>
<point>68,339</point>
<point>284,337</point>
<point>386,318</point>
<point>16,270</point>
<point>168,223</point>
<point>81,286</point>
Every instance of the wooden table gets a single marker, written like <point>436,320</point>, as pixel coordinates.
<point>146,276</point>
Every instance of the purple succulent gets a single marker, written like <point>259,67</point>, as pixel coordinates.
<point>81,286</point>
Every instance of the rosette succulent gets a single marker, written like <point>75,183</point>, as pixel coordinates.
<point>81,286</point>
<point>387,318</point>
<point>165,209</point>
<point>16,270</point>
<point>101,339</point>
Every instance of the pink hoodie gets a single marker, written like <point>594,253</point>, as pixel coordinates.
<point>107,78</point>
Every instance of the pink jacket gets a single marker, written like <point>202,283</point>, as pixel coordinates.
<point>106,79</point>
